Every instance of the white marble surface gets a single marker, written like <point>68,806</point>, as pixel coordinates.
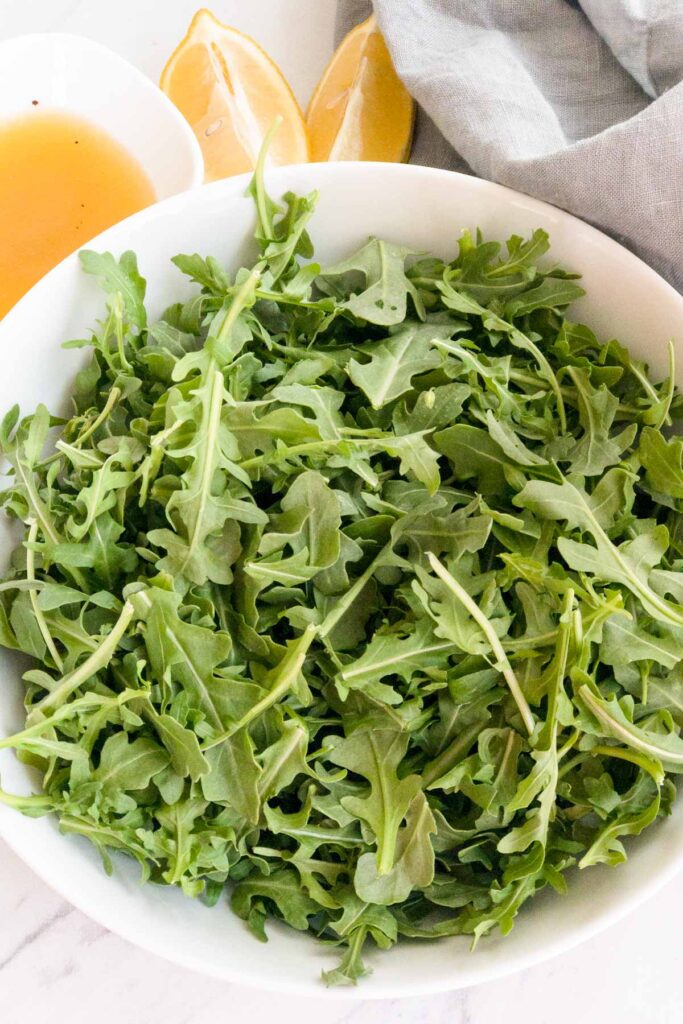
<point>57,965</point>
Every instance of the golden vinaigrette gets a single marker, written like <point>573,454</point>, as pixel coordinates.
<point>62,181</point>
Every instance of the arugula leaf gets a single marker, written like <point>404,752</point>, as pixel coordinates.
<point>127,766</point>
<point>663,462</point>
<point>385,287</point>
<point>596,449</point>
<point>474,453</point>
<point>628,563</point>
<point>404,857</point>
<point>119,278</point>
<point>394,362</point>
<point>550,293</point>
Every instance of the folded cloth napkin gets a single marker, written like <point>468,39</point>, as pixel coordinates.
<point>580,105</point>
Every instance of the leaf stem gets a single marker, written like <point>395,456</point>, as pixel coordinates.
<point>260,198</point>
<point>117,306</point>
<point>96,661</point>
<point>344,602</point>
<point>284,676</point>
<point>65,712</point>
<point>523,643</point>
<point>490,634</point>
<point>615,728</point>
<point>525,343</point>
<point>43,519</point>
<point>664,418</point>
<point>33,595</point>
<point>449,757</point>
<point>311,446</point>
<point>112,399</point>
<point>26,804</point>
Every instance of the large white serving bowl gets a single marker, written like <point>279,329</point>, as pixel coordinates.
<point>425,209</point>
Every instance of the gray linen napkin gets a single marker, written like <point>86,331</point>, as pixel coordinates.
<point>580,106</point>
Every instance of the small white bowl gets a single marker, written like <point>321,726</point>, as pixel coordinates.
<point>425,209</point>
<point>84,78</point>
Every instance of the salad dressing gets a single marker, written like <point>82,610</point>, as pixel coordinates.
<point>62,181</point>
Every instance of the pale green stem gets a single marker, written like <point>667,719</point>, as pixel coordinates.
<point>237,305</point>
<point>261,204</point>
<point>112,399</point>
<point>285,675</point>
<point>33,595</point>
<point>97,660</point>
<point>547,371</point>
<point>345,602</point>
<point>303,449</point>
<point>670,389</point>
<point>620,731</point>
<point>162,437</point>
<point>63,713</point>
<point>118,330</point>
<point>531,380</point>
<point>46,526</point>
<point>449,757</point>
<point>21,585</point>
<point>25,803</point>
<point>490,634</point>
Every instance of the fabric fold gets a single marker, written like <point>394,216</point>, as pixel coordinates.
<point>582,107</point>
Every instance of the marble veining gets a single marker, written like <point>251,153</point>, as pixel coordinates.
<point>57,965</point>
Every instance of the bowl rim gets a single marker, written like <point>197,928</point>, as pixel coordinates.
<point>114,239</point>
<point>183,132</point>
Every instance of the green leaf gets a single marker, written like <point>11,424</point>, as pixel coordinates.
<point>473,453</point>
<point>664,747</point>
<point>384,288</point>
<point>281,890</point>
<point>205,272</point>
<point>413,860</point>
<point>283,760</point>
<point>433,409</point>
<point>233,775</point>
<point>389,655</point>
<point>393,363</point>
<point>627,563</point>
<point>119,278</point>
<point>549,294</point>
<point>187,653</point>
<point>376,754</point>
<point>324,403</point>
<point>596,449</point>
<point>607,848</point>
<point>129,766</point>
<point>417,458</point>
<point>624,642</point>
<point>181,743</point>
<point>510,443</point>
<point>663,462</point>
<point>309,521</point>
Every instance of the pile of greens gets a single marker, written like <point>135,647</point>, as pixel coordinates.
<point>353,593</point>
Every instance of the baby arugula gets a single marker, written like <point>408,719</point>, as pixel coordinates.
<point>355,593</point>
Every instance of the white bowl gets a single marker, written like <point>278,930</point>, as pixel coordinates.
<point>75,74</point>
<point>425,209</point>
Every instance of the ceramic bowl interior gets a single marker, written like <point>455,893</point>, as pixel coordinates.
<point>425,209</point>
